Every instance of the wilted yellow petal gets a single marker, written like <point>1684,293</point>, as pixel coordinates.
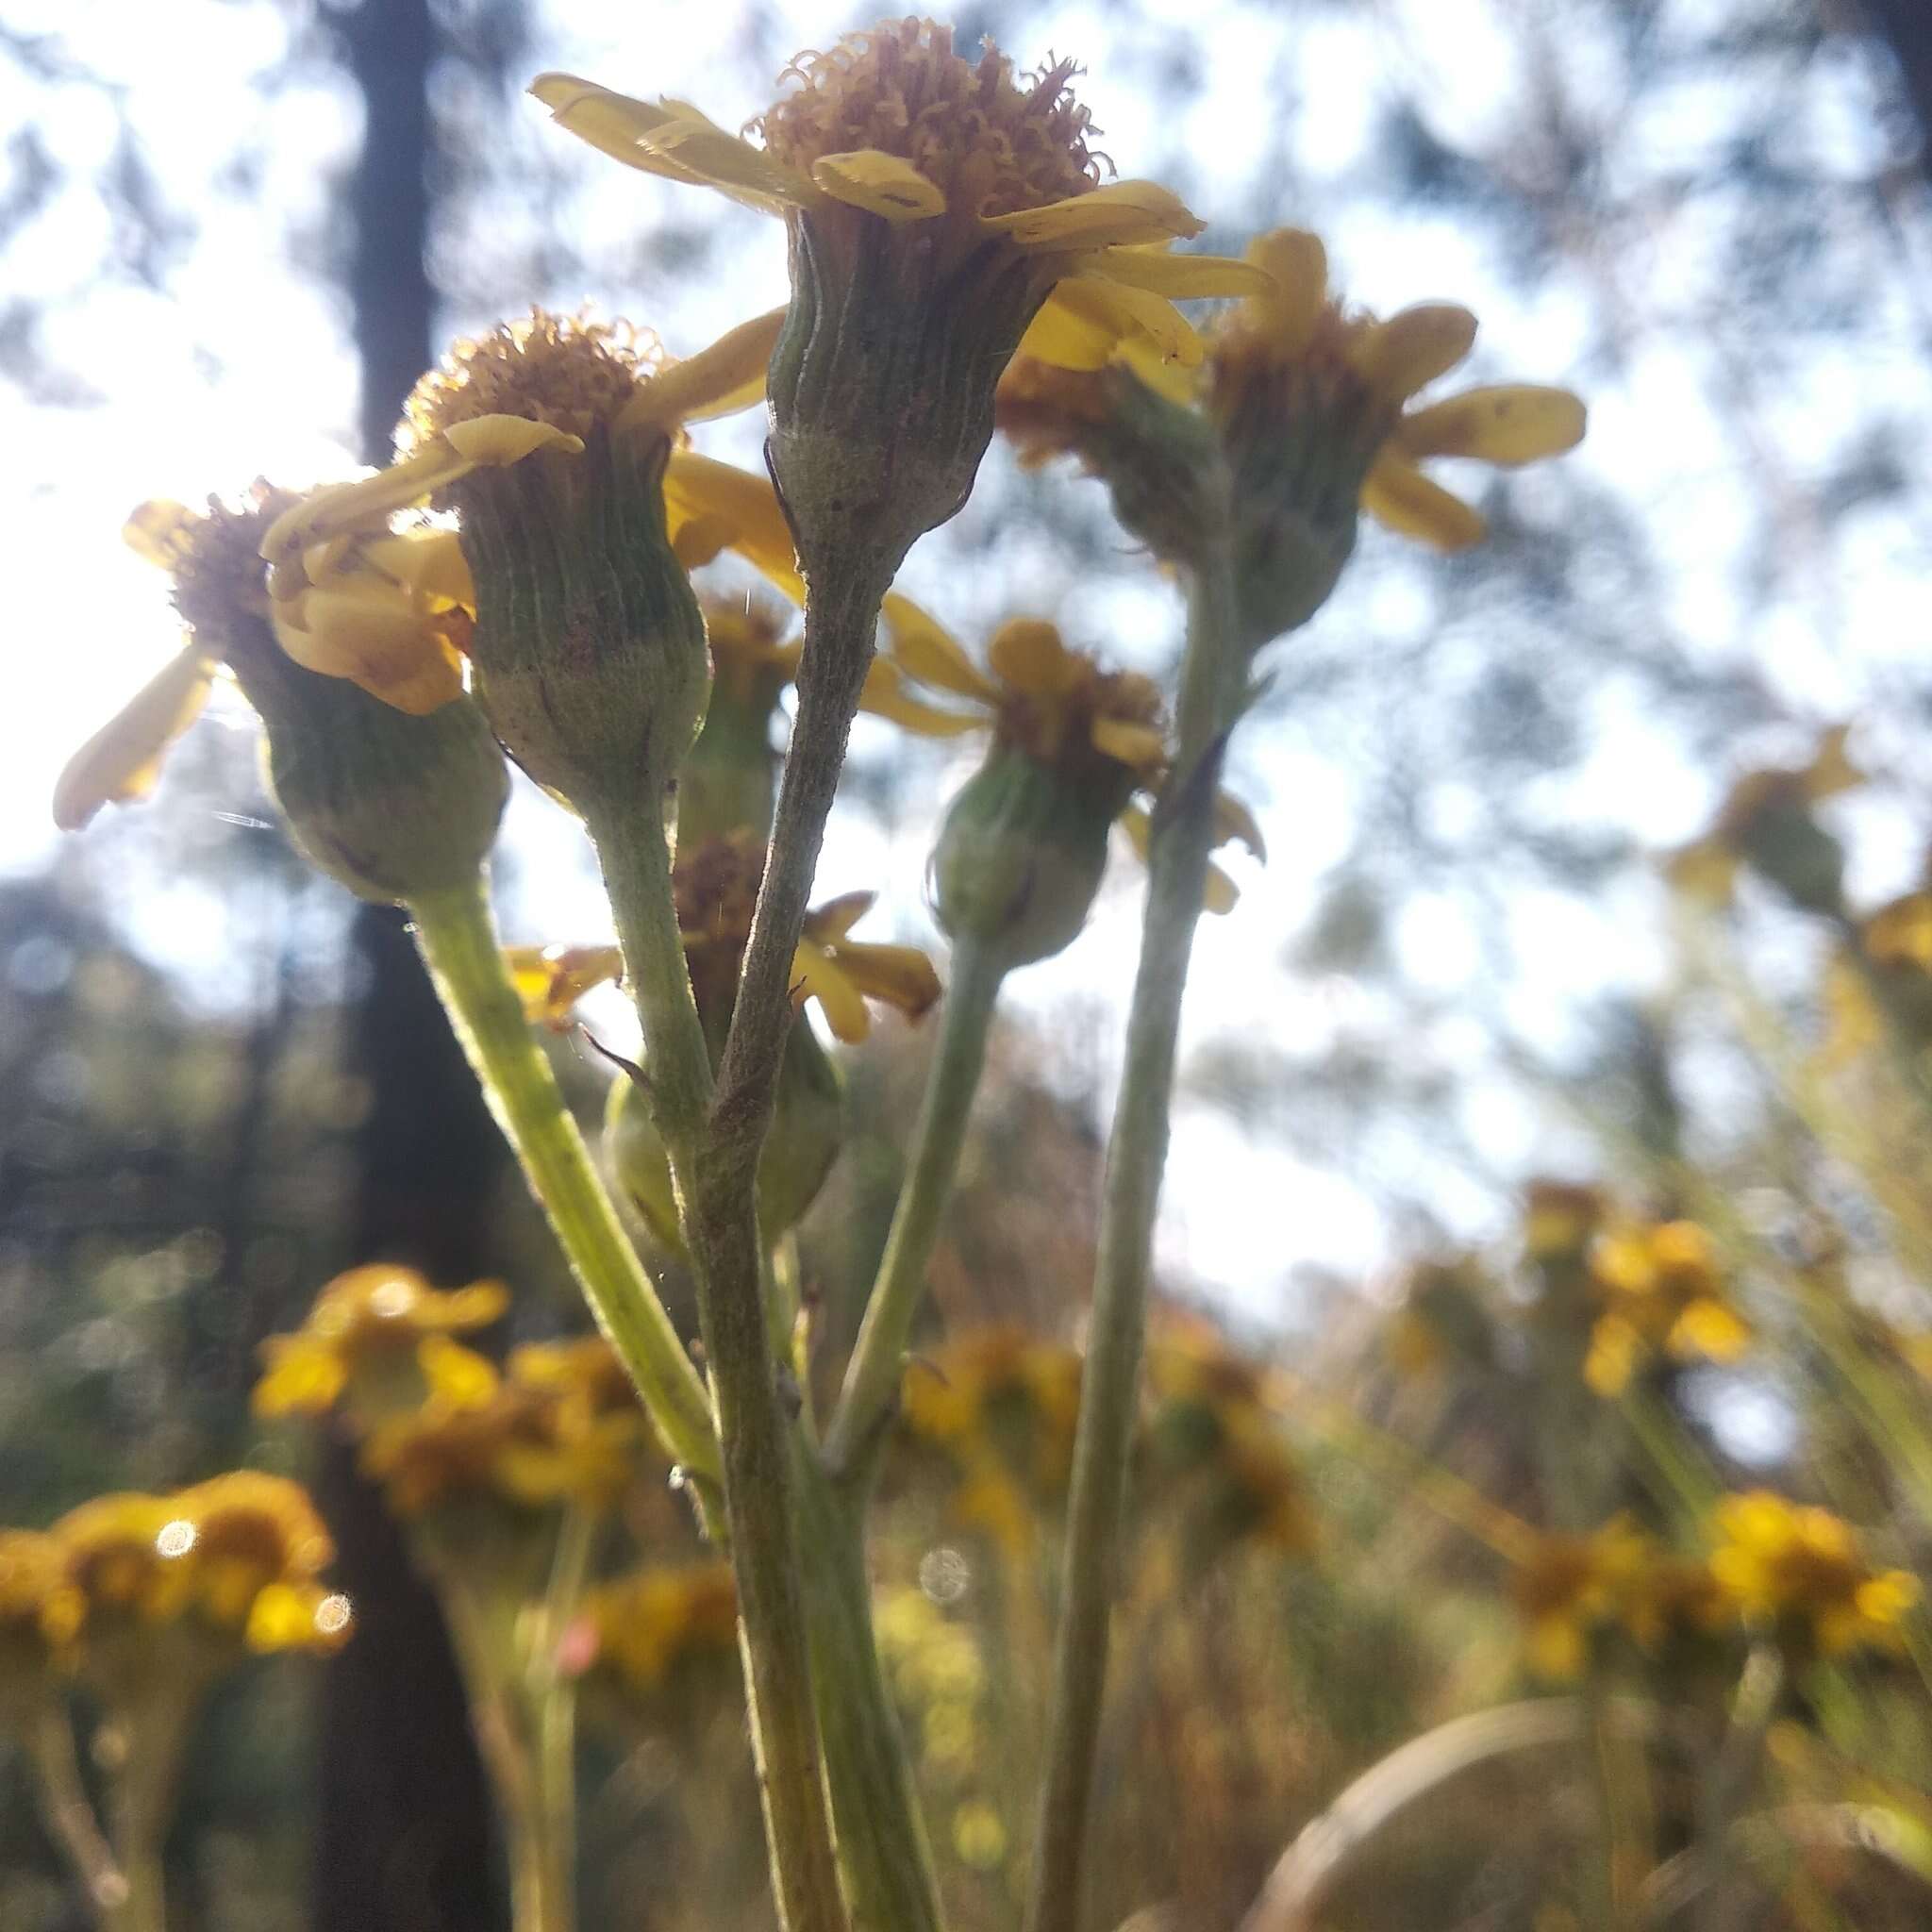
<point>283,1618</point>
<point>1180,276</point>
<point>1139,747</point>
<point>458,1378</point>
<point>816,976</point>
<point>1218,893</point>
<point>1123,212</point>
<point>837,917</point>
<point>901,977</point>
<point>884,695</point>
<point>161,531</point>
<point>494,442</point>
<point>881,184</point>
<point>1410,350</point>
<point>1398,494</point>
<point>1028,656</point>
<point>122,760</point>
<point>1298,264</point>
<point>693,141</point>
<point>301,1379</point>
<point>1112,307</point>
<point>1234,821</point>
<point>364,629</point>
<point>1067,337</point>
<point>731,508</point>
<point>926,650</point>
<point>428,562</point>
<point>1511,424</point>
<point>716,381</point>
<point>341,509</point>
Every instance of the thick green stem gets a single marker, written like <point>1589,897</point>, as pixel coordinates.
<point>872,1376</point>
<point>458,940</point>
<point>718,1205</point>
<point>882,1844</point>
<point>1183,835</point>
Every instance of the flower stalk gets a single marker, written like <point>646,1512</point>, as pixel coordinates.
<point>715,1172</point>
<point>1212,679</point>
<point>872,1378</point>
<point>459,942</point>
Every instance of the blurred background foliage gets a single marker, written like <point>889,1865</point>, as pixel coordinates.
<point>239,226</point>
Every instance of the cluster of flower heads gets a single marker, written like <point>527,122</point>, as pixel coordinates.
<point>1645,1293</point>
<point>642,1631</point>
<point>442,1427</point>
<point>998,1404</point>
<point>1777,1570</point>
<point>130,1586</point>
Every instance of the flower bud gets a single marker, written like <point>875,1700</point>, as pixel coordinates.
<point>807,1129</point>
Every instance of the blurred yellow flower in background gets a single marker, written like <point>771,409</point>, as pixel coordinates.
<point>1799,1570</point>
<point>1660,1291</point>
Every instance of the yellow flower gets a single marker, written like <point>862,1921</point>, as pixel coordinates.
<point>1561,1219</point>
<point>1100,731</point>
<point>550,387</point>
<point>643,1628</point>
<point>41,1611</point>
<point>379,1335</point>
<point>211,560</point>
<point>551,980</point>
<point>988,177</point>
<point>563,1425</point>
<point>1570,1590</point>
<point>1766,820</point>
<point>1291,358</point>
<point>1899,934</point>
<point>716,886</point>
<point>1660,1289</point>
<point>1801,1570</point>
<point>256,1552</point>
<point>123,1553</point>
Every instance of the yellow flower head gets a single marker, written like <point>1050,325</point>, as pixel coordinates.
<point>1766,820</point>
<point>940,208</point>
<point>716,885</point>
<point>219,593</point>
<point>1660,1291</point>
<point>1291,364</point>
<point>123,1555</point>
<point>1569,1590</point>
<point>562,1426</point>
<point>995,1399</point>
<point>646,1628</point>
<point>41,1611</point>
<point>1561,1220</point>
<point>378,1337</point>
<point>552,979</point>
<point>254,1552</point>
<point>1800,1571</point>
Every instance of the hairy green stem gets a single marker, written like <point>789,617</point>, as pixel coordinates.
<point>874,1373</point>
<point>718,1205</point>
<point>1183,835</point>
<point>882,1841</point>
<point>459,942</point>
<point>65,1805</point>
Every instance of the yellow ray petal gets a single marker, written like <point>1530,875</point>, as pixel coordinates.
<point>1026,654</point>
<point>495,443</point>
<point>837,917</point>
<point>815,975</point>
<point>1065,335</point>
<point>162,532</point>
<point>1410,350</point>
<point>1398,494</point>
<point>1179,276</point>
<point>1127,312</point>
<point>362,630</point>
<point>1234,821</point>
<point>122,760</point>
<point>900,977</point>
<point>881,184</point>
<point>716,381</point>
<point>429,562</point>
<point>670,140</point>
<point>1298,264</point>
<point>1123,212</point>
<point>884,695</point>
<point>740,509</point>
<point>1510,424</point>
<point>1139,746</point>
<point>924,649</point>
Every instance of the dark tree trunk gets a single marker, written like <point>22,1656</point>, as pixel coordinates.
<point>403,1839</point>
